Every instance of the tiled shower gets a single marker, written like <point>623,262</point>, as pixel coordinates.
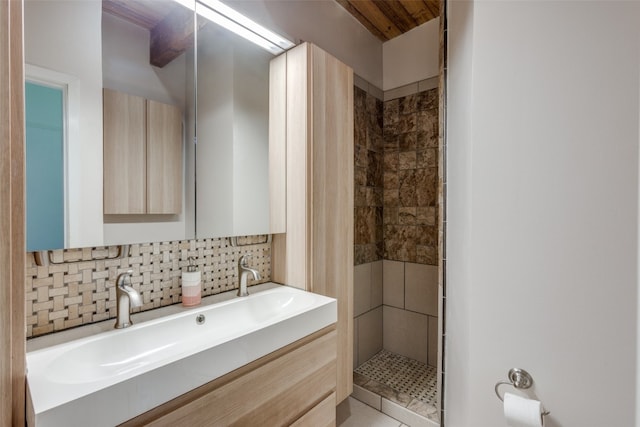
<point>396,249</point>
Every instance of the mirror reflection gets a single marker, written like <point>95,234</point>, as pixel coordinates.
<point>111,124</point>
<point>147,51</point>
<point>141,50</point>
<point>232,134</point>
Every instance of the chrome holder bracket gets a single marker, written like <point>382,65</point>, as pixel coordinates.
<point>518,378</point>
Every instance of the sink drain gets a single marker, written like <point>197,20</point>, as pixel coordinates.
<point>200,319</point>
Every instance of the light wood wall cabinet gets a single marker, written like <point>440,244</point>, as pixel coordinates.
<point>142,155</point>
<point>316,252</point>
<point>292,386</point>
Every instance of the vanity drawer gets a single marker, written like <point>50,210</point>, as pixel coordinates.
<point>321,415</point>
<point>275,390</point>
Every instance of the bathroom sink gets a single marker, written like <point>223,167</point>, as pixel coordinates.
<point>116,375</point>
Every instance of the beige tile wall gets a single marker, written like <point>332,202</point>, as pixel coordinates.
<point>367,311</point>
<point>405,333</point>
<point>410,314</point>
<point>81,289</point>
<point>396,308</point>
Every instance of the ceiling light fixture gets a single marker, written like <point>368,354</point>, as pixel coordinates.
<point>232,20</point>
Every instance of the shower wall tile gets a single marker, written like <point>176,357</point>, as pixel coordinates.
<point>376,284</point>
<point>406,416</point>
<point>367,279</point>
<point>432,349</point>
<point>81,290</point>
<point>369,334</point>
<point>410,177</point>
<point>361,289</point>
<point>369,176</point>
<point>401,91</point>
<point>421,288</point>
<point>396,220</point>
<point>401,241</point>
<point>367,310</point>
<point>370,398</point>
<point>410,294</point>
<point>431,83</point>
<point>393,283</point>
<point>404,333</point>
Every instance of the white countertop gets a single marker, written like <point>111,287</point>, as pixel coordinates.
<point>106,376</point>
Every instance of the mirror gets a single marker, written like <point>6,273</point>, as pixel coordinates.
<point>136,35</point>
<point>232,134</point>
<point>74,50</point>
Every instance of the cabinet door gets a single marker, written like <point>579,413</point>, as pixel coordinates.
<point>316,253</point>
<point>164,159</point>
<point>124,153</point>
<point>332,199</point>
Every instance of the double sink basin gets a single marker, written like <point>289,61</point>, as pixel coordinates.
<point>112,376</point>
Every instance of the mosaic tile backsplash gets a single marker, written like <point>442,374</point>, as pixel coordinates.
<point>81,290</point>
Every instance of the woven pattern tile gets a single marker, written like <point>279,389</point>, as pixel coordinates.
<point>81,289</point>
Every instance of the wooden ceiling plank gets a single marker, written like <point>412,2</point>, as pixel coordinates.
<point>362,19</point>
<point>397,14</point>
<point>171,36</point>
<point>371,11</point>
<point>434,7</point>
<point>419,10</point>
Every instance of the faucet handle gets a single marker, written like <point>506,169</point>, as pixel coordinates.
<point>244,259</point>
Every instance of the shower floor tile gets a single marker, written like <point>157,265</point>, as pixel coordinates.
<point>404,381</point>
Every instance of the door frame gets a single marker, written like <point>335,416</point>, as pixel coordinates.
<point>12,216</point>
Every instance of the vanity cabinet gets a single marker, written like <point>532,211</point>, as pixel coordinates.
<point>293,386</point>
<point>142,155</point>
<point>312,134</point>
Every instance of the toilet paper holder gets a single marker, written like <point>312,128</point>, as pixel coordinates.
<point>520,379</point>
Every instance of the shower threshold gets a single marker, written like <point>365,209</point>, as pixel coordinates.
<point>401,387</point>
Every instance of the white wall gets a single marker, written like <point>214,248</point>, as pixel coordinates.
<point>543,132</point>
<point>126,68</point>
<point>412,56</point>
<point>64,36</point>
<point>324,23</point>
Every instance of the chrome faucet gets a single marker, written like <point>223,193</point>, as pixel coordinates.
<point>126,298</point>
<point>244,270</point>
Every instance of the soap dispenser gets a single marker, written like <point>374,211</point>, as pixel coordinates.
<point>191,285</point>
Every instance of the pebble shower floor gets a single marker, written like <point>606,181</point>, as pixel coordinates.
<point>403,374</point>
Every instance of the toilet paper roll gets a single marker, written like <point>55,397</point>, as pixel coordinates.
<point>522,412</point>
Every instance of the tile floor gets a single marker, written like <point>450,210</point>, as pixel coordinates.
<point>399,387</point>
<point>403,375</point>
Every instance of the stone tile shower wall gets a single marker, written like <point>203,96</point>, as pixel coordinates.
<point>410,284</point>
<point>368,174</point>
<point>394,310</point>
<point>81,290</point>
<point>411,178</point>
<point>368,226</point>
